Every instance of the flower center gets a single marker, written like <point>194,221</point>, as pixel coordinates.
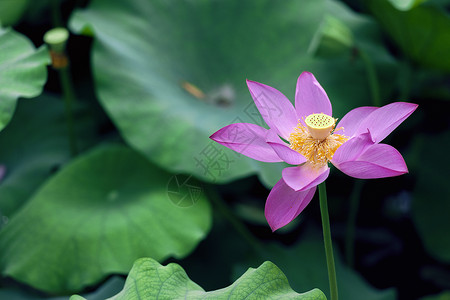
<point>320,125</point>
<point>316,142</point>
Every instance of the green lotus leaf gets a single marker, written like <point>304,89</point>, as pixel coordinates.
<point>96,217</point>
<point>421,33</point>
<point>33,146</point>
<point>23,71</point>
<point>171,73</point>
<point>406,4</point>
<point>11,11</point>
<point>150,280</point>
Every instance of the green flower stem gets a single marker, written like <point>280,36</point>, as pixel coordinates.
<point>327,241</point>
<point>371,77</point>
<point>56,15</point>
<point>224,209</point>
<point>66,85</point>
<point>351,223</point>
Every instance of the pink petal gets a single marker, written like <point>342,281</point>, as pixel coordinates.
<point>274,107</point>
<point>352,148</point>
<point>382,121</point>
<point>284,204</point>
<point>247,139</point>
<point>310,97</point>
<point>351,121</point>
<point>283,151</point>
<point>304,177</point>
<point>378,161</point>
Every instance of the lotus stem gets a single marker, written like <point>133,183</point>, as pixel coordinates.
<point>327,241</point>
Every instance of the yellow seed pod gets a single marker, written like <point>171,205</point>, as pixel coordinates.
<point>320,125</point>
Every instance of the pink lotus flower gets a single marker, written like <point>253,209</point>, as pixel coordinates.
<point>313,139</point>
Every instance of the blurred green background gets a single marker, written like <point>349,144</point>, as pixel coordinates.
<point>127,170</point>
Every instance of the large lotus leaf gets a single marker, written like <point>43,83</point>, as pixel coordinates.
<point>431,202</point>
<point>150,280</point>
<point>96,217</point>
<point>422,33</point>
<point>368,37</point>
<point>33,146</point>
<point>367,42</point>
<point>11,11</point>
<point>305,266</point>
<point>171,73</point>
<point>23,71</point>
<point>406,4</point>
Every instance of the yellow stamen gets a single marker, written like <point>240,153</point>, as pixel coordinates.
<point>317,151</point>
